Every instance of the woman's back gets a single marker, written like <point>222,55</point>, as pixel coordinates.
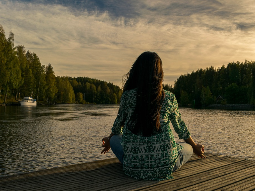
<point>153,157</point>
<point>146,145</point>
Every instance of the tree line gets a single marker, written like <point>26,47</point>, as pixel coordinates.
<point>233,84</point>
<point>22,75</point>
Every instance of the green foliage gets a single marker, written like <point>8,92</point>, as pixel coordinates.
<point>51,88</point>
<point>79,97</point>
<point>22,75</point>
<point>28,85</point>
<point>236,94</point>
<point>65,92</point>
<point>96,91</point>
<point>234,83</point>
<point>168,87</point>
<point>206,96</point>
<point>184,98</point>
<point>10,74</point>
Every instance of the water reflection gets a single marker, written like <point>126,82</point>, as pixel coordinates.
<point>34,138</point>
<point>13,113</point>
<point>223,132</point>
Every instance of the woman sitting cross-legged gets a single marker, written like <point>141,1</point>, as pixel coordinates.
<point>141,136</point>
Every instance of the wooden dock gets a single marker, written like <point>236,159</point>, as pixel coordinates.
<point>212,173</point>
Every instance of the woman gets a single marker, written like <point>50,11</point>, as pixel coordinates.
<point>141,136</point>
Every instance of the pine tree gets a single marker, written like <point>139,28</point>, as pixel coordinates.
<point>51,88</point>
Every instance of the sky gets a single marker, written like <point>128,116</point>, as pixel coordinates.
<point>102,38</point>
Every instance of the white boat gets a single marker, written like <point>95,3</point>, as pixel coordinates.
<point>28,101</point>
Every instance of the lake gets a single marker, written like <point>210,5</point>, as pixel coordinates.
<point>36,138</point>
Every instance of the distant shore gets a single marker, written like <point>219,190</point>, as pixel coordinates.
<point>231,106</point>
<point>212,106</point>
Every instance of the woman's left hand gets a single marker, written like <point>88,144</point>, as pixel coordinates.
<point>106,145</point>
<point>199,150</point>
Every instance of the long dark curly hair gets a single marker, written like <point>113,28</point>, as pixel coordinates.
<point>146,75</point>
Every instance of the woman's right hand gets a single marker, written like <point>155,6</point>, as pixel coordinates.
<point>199,150</point>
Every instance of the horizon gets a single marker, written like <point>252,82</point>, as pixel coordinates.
<point>102,39</point>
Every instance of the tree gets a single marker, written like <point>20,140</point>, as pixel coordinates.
<point>234,74</point>
<point>38,73</point>
<point>222,81</point>
<point>252,99</point>
<point>88,92</point>
<point>16,79</point>
<point>79,97</point>
<point>65,92</point>
<point>113,98</point>
<point>93,91</point>
<point>234,83</point>
<point>69,96</point>
<point>232,93</point>
<point>184,98</point>
<point>168,87</point>
<point>206,96</point>
<point>21,55</point>
<point>10,73</point>
<point>51,88</point>
<point>28,85</point>
<point>42,84</point>
<point>4,72</point>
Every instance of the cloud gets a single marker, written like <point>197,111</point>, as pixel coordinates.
<point>101,39</point>
<point>245,26</point>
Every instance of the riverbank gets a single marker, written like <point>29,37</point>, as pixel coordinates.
<point>232,106</point>
<point>213,173</point>
<point>41,103</point>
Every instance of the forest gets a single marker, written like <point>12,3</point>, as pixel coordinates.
<point>22,74</point>
<point>231,84</point>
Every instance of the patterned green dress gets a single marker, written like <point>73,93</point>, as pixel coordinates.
<point>154,157</point>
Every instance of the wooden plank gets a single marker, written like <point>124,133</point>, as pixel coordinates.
<point>204,177</point>
<point>70,168</point>
<point>244,184</point>
<point>124,184</point>
<point>224,179</point>
<point>213,173</point>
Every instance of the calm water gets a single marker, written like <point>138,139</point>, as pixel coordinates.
<point>35,138</point>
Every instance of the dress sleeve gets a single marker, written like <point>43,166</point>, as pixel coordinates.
<point>120,119</point>
<point>175,117</point>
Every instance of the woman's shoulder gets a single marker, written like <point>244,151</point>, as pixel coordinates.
<point>169,100</point>
<point>129,93</point>
<point>169,95</point>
